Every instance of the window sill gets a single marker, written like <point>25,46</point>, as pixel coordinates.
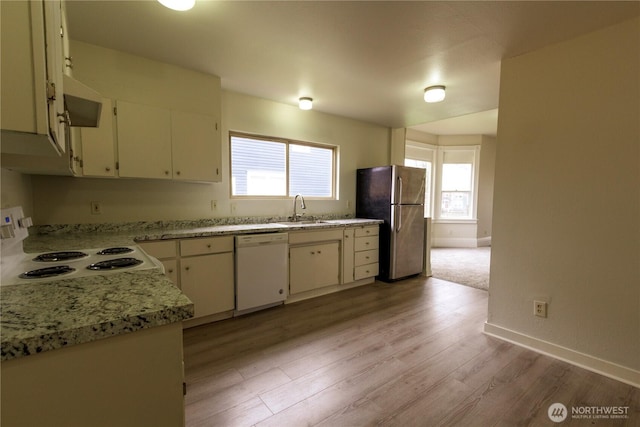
<point>454,221</point>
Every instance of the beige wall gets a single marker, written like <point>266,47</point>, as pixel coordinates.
<point>16,190</point>
<point>566,215</point>
<point>122,76</point>
<point>485,188</point>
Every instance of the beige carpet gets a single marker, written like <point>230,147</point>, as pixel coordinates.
<point>467,266</point>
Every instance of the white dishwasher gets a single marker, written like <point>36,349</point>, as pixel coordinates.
<point>262,271</point>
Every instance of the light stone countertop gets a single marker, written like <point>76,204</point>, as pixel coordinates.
<point>48,315</point>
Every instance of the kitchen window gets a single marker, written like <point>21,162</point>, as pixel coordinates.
<point>272,167</point>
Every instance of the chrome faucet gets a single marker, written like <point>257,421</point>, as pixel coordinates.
<point>296,215</point>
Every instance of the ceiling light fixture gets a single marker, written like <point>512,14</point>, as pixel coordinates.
<point>305,103</point>
<point>180,5</point>
<point>434,94</point>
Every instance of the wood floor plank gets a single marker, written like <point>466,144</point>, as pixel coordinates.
<point>203,405</point>
<point>408,353</point>
<point>246,413</point>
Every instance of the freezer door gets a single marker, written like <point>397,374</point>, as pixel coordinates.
<point>408,185</point>
<point>407,241</point>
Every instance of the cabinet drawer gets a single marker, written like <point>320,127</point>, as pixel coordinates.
<point>206,245</point>
<point>364,271</point>
<point>160,249</point>
<point>367,231</point>
<point>366,257</point>
<point>366,243</point>
<point>299,237</point>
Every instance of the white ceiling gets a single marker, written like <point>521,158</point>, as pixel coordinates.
<point>365,60</point>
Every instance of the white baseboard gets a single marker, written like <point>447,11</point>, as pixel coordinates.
<point>460,242</point>
<point>454,242</point>
<point>484,241</point>
<point>582,360</point>
<point>328,290</point>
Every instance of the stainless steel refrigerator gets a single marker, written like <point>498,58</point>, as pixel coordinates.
<point>395,194</point>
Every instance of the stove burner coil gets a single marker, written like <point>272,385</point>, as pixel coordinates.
<point>47,272</point>
<point>113,264</point>
<point>60,256</point>
<point>115,251</point>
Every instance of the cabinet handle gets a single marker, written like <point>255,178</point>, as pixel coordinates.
<point>170,270</point>
<point>366,243</point>
<point>177,172</point>
<point>319,252</point>
<point>187,268</point>
<point>366,257</point>
<point>166,172</point>
<point>313,253</point>
<point>107,169</point>
<point>209,246</point>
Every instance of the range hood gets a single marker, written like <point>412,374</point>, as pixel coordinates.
<point>83,103</point>
<point>36,153</point>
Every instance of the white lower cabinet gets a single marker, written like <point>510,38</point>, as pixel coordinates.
<point>203,268</point>
<point>208,281</point>
<point>314,259</point>
<point>320,261</point>
<point>166,251</point>
<point>366,246</point>
<point>314,266</point>
<point>348,255</point>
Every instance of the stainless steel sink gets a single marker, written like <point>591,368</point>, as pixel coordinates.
<point>305,222</point>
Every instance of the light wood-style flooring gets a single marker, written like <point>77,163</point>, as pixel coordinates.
<point>410,353</point>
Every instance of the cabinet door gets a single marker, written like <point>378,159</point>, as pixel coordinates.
<point>171,270</point>
<point>144,141</point>
<point>313,267</point>
<point>195,147</point>
<point>98,145</point>
<point>348,255</point>
<point>55,69</point>
<point>208,281</point>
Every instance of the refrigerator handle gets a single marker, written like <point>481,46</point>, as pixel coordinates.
<point>398,217</point>
<point>399,190</point>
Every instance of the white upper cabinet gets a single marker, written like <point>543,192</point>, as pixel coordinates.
<point>154,142</point>
<point>144,141</point>
<point>98,145</point>
<point>33,111</point>
<point>195,147</point>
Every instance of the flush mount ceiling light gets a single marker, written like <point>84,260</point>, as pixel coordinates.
<point>180,5</point>
<point>434,94</point>
<point>305,103</point>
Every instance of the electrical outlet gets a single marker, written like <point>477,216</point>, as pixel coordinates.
<point>232,205</point>
<point>540,308</point>
<point>96,208</point>
<point>348,204</point>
